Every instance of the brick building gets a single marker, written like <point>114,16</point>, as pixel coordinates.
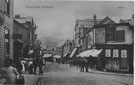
<point>6,29</point>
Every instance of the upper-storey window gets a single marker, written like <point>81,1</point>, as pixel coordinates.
<point>7,43</point>
<point>120,35</point>
<point>110,33</point>
<point>7,7</point>
<point>115,35</point>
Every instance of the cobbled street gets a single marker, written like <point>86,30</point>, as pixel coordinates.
<point>63,74</point>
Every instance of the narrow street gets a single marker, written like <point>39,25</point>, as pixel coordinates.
<point>62,74</point>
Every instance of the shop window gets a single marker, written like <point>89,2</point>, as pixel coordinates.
<point>123,53</point>
<point>108,53</point>
<point>7,7</point>
<point>120,35</point>
<point>115,53</point>
<point>7,43</point>
<point>110,33</point>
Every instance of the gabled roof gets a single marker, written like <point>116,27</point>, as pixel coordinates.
<point>107,20</point>
<point>49,48</point>
<point>24,19</point>
<point>15,21</point>
<point>60,44</point>
<point>87,22</point>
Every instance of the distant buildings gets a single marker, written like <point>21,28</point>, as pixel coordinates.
<point>31,27</point>
<point>24,30</point>
<point>59,48</point>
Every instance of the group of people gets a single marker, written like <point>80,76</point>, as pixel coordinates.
<point>81,63</point>
<point>10,72</point>
<point>84,63</point>
<point>12,75</point>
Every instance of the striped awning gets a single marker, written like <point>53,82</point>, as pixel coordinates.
<point>47,55</point>
<point>92,52</point>
<point>73,52</point>
<point>57,56</point>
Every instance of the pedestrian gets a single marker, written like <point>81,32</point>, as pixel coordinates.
<point>9,72</point>
<point>30,66</point>
<point>86,64</point>
<point>23,66</point>
<point>40,65</point>
<point>70,63</point>
<point>82,65</point>
<point>18,66</point>
<point>35,65</point>
<point>77,63</point>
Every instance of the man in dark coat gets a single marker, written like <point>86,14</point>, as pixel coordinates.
<point>82,65</point>
<point>86,64</point>
<point>40,65</point>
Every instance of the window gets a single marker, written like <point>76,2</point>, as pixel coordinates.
<point>115,53</point>
<point>17,36</point>
<point>123,53</point>
<point>7,43</point>
<point>108,53</point>
<point>120,35</point>
<point>110,33</point>
<point>7,7</point>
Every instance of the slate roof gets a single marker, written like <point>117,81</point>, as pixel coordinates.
<point>61,43</point>
<point>87,22</point>
<point>24,19</point>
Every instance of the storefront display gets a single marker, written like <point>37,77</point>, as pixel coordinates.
<point>108,53</point>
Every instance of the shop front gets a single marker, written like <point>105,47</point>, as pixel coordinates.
<point>117,57</point>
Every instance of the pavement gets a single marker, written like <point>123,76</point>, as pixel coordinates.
<point>63,74</point>
<point>31,79</point>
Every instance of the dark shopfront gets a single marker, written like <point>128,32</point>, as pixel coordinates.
<point>17,51</point>
<point>116,57</point>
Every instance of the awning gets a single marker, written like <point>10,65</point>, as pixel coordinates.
<point>65,54</point>
<point>47,55</point>
<point>93,53</point>
<point>73,52</point>
<point>57,56</point>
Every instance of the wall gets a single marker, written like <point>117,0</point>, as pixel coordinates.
<point>1,37</point>
<point>100,35</point>
<point>58,51</point>
<point>90,37</point>
<point>128,35</point>
<point>8,22</point>
<point>18,29</point>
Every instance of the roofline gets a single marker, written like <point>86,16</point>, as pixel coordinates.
<point>104,25</point>
<point>20,24</point>
<point>116,24</point>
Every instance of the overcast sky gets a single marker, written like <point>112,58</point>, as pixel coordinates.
<point>57,18</point>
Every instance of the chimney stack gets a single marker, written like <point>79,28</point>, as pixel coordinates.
<point>94,17</point>
<point>17,16</point>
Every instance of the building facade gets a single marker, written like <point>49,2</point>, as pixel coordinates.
<point>6,29</point>
<point>116,40</point>
<point>30,24</point>
<point>21,32</point>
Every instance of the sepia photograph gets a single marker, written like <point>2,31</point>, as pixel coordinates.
<point>66,42</point>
